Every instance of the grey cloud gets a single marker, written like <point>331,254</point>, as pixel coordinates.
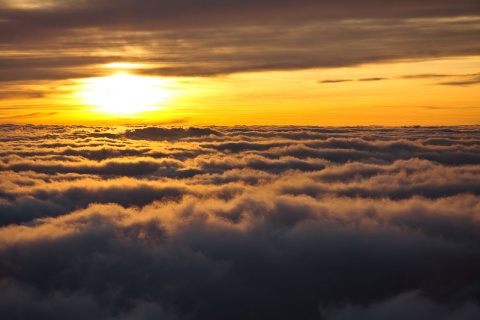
<point>236,147</point>
<point>221,259</point>
<point>109,167</point>
<point>310,46</point>
<point>5,94</point>
<point>239,222</point>
<point>344,150</point>
<point>197,13</point>
<point>471,80</point>
<point>349,80</point>
<point>54,199</point>
<point>205,38</point>
<point>425,76</point>
<point>455,79</point>
<point>222,163</point>
<point>411,305</point>
<point>335,80</point>
<point>372,79</point>
<point>158,133</point>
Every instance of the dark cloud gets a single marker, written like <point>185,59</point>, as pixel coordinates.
<point>239,222</point>
<point>6,94</point>
<point>206,12</point>
<point>238,258</point>
<point>157,133</point>
<point>349,80</point>
<point>189,38</point>
<point>425,76</point>
<point>335,80</point>
<point>411,305</point>
<point>109,167</point>
<point>372,79</point>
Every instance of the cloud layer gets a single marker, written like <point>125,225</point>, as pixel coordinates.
<point>239,222</point>
<point>189,38</point>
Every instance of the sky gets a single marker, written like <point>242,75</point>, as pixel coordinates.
<point>239,222</point>
<point>262,62</point>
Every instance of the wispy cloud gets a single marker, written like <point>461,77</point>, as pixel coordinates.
<point>334,80</point>
<point>350,80</point>
<point>372,79</point>
<point>425,76</point>
<point>466,80</point>
<point>453,79</point>
<point>189,38</point>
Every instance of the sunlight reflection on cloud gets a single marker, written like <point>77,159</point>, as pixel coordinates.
<point>239,222</point>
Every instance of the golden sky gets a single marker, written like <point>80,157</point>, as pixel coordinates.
<point>213,62</point>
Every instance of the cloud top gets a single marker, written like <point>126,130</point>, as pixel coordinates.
<point>239,222</point>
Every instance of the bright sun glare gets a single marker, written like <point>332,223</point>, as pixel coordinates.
<point>124,93</point>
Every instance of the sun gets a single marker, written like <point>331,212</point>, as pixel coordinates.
<point>124,93</point>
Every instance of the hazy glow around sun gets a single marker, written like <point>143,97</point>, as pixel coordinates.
<point>124,93</point>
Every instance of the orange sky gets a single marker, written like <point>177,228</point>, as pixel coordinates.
<point>252,63</point>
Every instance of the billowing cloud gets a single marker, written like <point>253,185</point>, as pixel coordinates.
<point>411,305</point>
<point>239,222</point>
<point>155,133</point>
